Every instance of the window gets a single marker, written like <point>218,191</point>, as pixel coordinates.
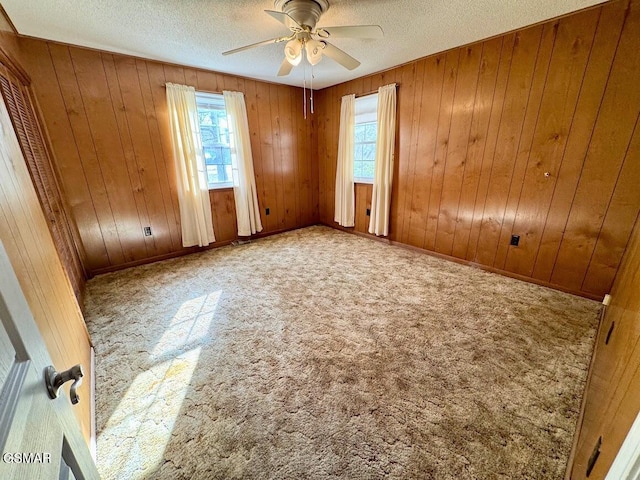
<point>216,139</point>
<point>366,131</point>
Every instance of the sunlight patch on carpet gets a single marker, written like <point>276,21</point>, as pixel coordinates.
<point>189,325</point>
<point>144,420</point>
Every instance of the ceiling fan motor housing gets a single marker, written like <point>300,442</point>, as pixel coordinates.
<point>305,12</point>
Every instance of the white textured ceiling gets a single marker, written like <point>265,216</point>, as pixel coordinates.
<point>196,32</point>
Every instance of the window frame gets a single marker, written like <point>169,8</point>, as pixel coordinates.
<point>365,114</point>
<point>216,99</point>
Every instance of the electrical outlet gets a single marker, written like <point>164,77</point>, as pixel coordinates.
<point>515,240</point>
<point>266,211</point>
<point>368,212</point>
<point>147,231</point>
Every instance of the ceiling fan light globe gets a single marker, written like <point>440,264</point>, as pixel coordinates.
<point>313,49</point>
<point>295,61</point>
<point>293,52</point>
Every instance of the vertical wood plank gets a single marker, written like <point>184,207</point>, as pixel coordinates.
<point>223,211</point>
<point>288,160</point>
<point>250,96</point>
<point>428,126</point>
<point>331,152</point>
<point>407,210</point>
<point>190,77</point>
<point>67,156</point>
<point>442,144</point>
<point>324,104</point>
<point>266,154</point>
<point>206,81</point>
<point>525,51</point>
<point>403,161</point>
<point>280,208</point>
<point>361,205</point>
<point>75,110</point>
<point>150,185</point>
<point>531,118</point>
<point>456,159</point>
<point>497,108</point>
<point>159,169</point>
<point>311,154</point>
<point>127,146</point>
<point>107,145</point>
<point>157,81</point>
<point>476,144</point>
<point>293,143</point>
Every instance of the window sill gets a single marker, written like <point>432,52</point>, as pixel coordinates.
<point>220,188</point>
<point>365,181</point>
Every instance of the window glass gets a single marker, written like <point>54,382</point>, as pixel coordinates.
<point>366,131</point>
<point>216,139</point>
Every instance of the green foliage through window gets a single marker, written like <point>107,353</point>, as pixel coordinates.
<point>214,132</point>
<point>365,151</point>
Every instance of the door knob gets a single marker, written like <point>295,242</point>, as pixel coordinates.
<point>54,381</point>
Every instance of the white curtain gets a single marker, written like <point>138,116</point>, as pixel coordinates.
<point>344,202</point>
<point>244,181</point>
<point>383,174</point>
<point>193,190</point>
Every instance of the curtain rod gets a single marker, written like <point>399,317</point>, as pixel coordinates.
<point>357,95</point>
<point>198,90</point>
<point>371,92</point>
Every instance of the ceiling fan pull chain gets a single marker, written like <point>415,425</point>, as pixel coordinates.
<point>312,89</point>
<point>304,90</point>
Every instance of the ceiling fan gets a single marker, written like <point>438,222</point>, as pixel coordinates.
<point>301,16</point>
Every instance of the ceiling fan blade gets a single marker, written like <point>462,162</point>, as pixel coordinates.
<point>343,58</point>
<point>286,19</point>
<point>285,68</point>
<point>353,31</point>
<point>254,45</point>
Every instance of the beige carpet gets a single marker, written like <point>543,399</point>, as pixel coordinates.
<point>318,354</point>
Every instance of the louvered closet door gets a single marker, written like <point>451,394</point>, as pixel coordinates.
<point>31,141</point>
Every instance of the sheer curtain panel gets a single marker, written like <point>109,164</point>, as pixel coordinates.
<point>188,158</point>
<point>244,180</point>
<point>344,201</point>
<point>383,175</point>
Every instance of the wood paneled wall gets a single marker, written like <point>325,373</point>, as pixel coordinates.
<point>18,99</point>
<point>533,133</point>
<point>612,400</point>
<point>106,116</point>
<point>25,234</point>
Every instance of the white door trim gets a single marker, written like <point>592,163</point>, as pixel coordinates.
<point>21,326</point>
<point>626,465</point>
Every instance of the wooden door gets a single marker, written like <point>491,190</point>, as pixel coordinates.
<point>40,437</point>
